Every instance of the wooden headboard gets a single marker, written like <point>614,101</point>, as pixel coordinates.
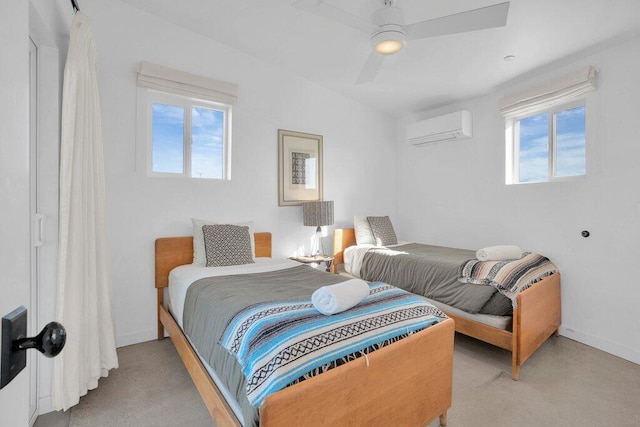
<point>342,239</point>
<point>172,252</point>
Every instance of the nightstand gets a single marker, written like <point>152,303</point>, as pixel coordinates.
<point>315,259</point>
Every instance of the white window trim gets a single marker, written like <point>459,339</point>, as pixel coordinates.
<point>512,144</point>
<point>146,99</point>
<point>153,79</point>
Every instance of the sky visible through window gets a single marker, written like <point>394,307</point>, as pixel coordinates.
<point>207,127</point>
<point>570,145</point>
<point>206,149</point>
<point>168,137</point>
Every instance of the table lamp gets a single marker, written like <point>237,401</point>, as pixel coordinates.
<point>317,214</point>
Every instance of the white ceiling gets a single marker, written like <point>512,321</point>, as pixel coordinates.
<point>427,73</point>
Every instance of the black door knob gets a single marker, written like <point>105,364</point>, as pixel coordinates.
<point>13,359</point>
<point>50,341</point>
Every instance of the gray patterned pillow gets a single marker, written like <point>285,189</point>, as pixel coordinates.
<point>382,230</point>
<point>227,244</point>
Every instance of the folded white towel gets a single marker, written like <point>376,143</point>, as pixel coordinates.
<point>499,253</point>
<point>337,298</point>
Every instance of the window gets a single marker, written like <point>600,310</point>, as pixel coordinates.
<point>187,137</point>
<point>549,145</point>
<point>546,132</point>
<point>184,123</point>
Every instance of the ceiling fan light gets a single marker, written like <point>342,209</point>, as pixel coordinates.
<point>389,47</point>
<point>388,42</point>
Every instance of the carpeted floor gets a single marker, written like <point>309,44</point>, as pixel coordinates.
<point>564,384</point>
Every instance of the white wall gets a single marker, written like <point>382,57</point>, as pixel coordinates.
<point>359,154</point>
<point>14,187</point>
<point>454,194</point>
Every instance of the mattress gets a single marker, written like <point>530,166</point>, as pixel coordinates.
<point>501,322</point>
<point>353,256</point>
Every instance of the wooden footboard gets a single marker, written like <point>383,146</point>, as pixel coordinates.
<point>537,317</point>
<point>406,383</point>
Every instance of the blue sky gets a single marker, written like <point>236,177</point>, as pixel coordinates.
<point>570,150</point>
<point>206,133</point>
<point>167,131</point>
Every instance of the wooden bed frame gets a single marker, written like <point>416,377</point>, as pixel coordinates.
<point>537,317</point>
<point>406,383</point>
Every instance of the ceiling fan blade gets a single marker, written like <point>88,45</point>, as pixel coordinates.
<point>322,8</point>
<point>371,68</point>
<point>472,20</point>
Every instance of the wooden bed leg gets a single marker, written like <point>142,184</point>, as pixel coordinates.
<point>443,419</point>
<point>515,366</point>
<point>556,333</point>
<point>515,369</point>
<point>160,304</point>
<point>160,331</point>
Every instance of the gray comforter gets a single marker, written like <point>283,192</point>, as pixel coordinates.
<point>433,271</point>
<point>211,303</point>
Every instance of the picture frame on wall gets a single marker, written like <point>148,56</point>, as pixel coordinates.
<point>299,168</point>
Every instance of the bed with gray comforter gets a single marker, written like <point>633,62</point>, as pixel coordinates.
<point>211,303</point>
<point>433,271</point>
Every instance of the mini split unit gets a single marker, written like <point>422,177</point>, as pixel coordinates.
<point>449,127</point>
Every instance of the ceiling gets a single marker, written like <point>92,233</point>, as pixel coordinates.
<point>426,73</point>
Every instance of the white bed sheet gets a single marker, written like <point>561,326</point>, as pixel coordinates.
<point>183,276</point>
<point>353,256</point>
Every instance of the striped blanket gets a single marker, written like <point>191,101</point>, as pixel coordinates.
<point>278,342</point>
<point>510,277</point>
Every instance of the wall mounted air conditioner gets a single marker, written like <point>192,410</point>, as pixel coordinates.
<point>449,127</point>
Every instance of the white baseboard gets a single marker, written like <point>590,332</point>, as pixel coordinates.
<point>44,405</point>
<point>136,338</point>
<point>616,349</point>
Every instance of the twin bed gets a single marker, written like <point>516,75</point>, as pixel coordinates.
<point>478,310</point>
<point>405,382</point>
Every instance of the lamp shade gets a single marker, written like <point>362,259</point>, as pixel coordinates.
<point>317,214</point>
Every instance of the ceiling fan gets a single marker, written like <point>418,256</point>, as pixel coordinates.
<point>388,32</point>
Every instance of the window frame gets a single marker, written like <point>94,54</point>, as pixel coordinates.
<point>187,103</point>
<point>512,126</point>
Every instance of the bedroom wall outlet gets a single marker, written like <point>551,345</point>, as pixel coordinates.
<point>14,327</point>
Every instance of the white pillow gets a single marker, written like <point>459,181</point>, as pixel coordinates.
<point>199,254</point>
<point>364,235</point>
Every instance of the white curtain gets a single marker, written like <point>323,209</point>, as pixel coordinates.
<point>83,291</point>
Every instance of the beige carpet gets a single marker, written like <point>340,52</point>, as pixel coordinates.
<point>564,384</point>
